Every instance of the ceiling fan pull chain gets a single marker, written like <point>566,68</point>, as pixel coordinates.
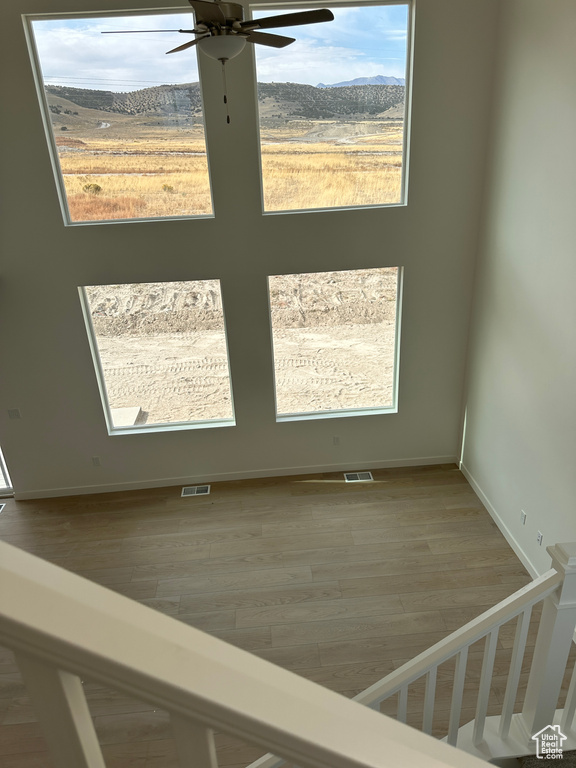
<point>225,89</point>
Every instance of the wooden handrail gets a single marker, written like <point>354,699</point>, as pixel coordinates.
<point>65,622</point>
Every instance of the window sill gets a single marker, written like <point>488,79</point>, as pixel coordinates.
<point>139,429</point>
<point>336,414</point>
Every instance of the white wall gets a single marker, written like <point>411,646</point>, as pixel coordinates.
<point>47,371</point>
<point>520,444</point>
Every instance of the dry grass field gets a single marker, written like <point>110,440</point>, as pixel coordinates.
<point>332,165</point>
<point>159,174</point>
<point>109,174</point>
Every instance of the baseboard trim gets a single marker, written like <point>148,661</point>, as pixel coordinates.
<point>165,482</point>
<point>520,553</point>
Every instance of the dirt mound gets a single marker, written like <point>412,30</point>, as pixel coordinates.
<point>145,309</point>
<point>339,131</point>
<point>153,324</point>
<point>64,141</point>
<point>326,299</point>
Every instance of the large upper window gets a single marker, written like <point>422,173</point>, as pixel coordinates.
<point>335,342</point>
<point>333,109</point>
<point>160,354</point>
<point>125,121</point>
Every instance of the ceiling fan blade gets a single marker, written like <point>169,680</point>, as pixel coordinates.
<point>139,31</point>
<point>274,41</point>
<point>206,11</point>
<point>288,19</point>
<point>187,45</point>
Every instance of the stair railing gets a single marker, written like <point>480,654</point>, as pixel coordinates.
<point>63,628</point>
<point>556,589</point>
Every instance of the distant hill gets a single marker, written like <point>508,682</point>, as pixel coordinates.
<point>166,99</point>
<point>278,101</point>
<point>376,80</point>
<point>297,100</point>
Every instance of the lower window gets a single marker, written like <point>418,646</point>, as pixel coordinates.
<point>335,338</point>
<point>160,354</point>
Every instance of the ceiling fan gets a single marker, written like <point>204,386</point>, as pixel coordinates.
<point>222,30</point>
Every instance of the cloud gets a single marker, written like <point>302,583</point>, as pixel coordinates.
<point>306,62</point>
<point>362,41</point>
<point>76,53</point>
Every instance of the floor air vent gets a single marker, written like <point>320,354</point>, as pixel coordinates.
<point>358,477</point>
<point>196,490</point>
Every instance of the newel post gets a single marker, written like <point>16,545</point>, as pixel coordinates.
<point>553,643</point>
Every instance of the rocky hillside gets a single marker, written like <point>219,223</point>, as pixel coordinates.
<point>281,100</point>
<point>296,100</point>
<point>165,99</point>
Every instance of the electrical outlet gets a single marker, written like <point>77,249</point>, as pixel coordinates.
<point>96,461</point>
<point>523,517</point>
<point>335,440</point>
<point>539,537</point>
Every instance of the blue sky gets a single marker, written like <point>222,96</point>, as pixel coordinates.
<point>362,41</point>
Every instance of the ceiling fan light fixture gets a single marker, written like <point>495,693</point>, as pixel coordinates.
<point>222,46</point>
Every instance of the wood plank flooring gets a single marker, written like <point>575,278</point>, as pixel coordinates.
<point>339,582</point>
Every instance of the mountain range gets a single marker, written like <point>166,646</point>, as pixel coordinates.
<point>375,80</point>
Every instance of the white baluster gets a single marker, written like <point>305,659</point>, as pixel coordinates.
<point>552,644</point>
<point>485,683</point>
<point>402,712</point>
<point>429,698</point>
<point>514,673</point>
<point>570,705</point>
<point>194,743</point>
<point>61,708</point>
<point>457,693</point>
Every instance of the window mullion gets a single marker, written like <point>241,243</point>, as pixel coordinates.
<point>233,151</point>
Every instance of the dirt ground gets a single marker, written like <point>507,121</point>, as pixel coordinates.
<point>163,349</point>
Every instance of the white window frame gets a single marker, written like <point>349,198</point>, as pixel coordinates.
<point>5,482</point>
<point>349,412</point>
<point>173,426</point>
<point>28,19</point>
<point>216,180</point>
<point>295,5</point>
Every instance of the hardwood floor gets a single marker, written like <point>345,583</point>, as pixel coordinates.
<point>339,582</point>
